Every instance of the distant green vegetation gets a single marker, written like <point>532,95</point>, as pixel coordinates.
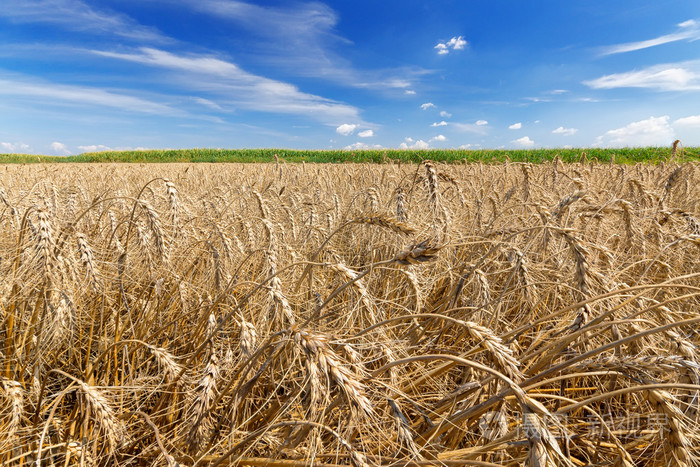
<point>621,155</point>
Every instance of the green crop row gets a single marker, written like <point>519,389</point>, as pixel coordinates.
<point>620,155</point>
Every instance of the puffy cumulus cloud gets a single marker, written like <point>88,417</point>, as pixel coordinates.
<point>409,143</point>
<point>444,113</point>
<point>14,147</point>
<point>456,43</point>
<point>469,146</point>
<point>654,131</point>
<point>427,105</point>
<point>438,138</point>
<point>481,122</point>
<point>524,142</point>
<point>59,148</point>
<point>366,134</point>
<point>94,148</point>
<point>442,48</point>
<point>565,131</point>
<point>360,145</point>
<point>684,76</point>
<point>515,126</point>
<point>346,129</point>
<point>689,122</point>
<point>442,123</point>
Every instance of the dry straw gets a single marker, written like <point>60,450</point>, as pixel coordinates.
<point>288,315</point>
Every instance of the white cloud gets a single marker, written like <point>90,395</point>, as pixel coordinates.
<point>689,122</point>
<point>14,147</point>
<point>680,76</point>
<point>427,105</point>
<point>654,131</point>
<point>469,146</point>
<point>524,142</point>
<point>410,92</point>
<point>302,38</point>
<point>346,129</point>
<point>360,145</point>
<point>78,15</point>
<point>687,30</point>
<point>438,138</point>
<point>60,149</point>
<point>195,63</point>
<point>82,95</point>
<point>409,143</point>
<point>238,87</point>
<point>445,114</point>
<point>456,43</point>
<point>515,126</point>
<point>481,122</point>
<point>442,123</point>
<point>207,103</point>
<point>470,127</point>
<point>94,148</point>
<point>565,131</point>
<point>366,134</point>
<point>538,99</point>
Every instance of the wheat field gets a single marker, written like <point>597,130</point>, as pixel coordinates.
<point>311,314</point>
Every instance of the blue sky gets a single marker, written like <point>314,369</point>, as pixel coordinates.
<point>87,75</point>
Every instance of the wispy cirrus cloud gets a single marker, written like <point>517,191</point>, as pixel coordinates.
<point>480,127</point>
<point>687,30</point>
<point>228,84</point>
<point>79,16</point>
<point>203,64</point>
<point>301,38</point>
<point>681,76</point>
<point>72,95</point>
